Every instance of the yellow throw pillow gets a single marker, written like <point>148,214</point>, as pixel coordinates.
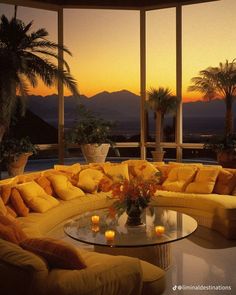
<point>117,172</point>
<point>63,187</point>
<point>179,177</point>
<point>146,171</point>
<point>205,180</point>
<point>225,182</point>
<point>35,197</point>
<point>73,169</point>
<point>89,180</point>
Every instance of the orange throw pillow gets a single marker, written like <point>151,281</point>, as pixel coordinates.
<point>11,211</point>
<point>11,231</point>
<point>5,193</point>
<point>18,203</point>
<point>57,253</point>
<point>225,182</point>
<point>7,233</point>
<point>45,183</point>
<point>105,184</point>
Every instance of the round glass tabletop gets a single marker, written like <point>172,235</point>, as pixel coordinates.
<point>160,226</point>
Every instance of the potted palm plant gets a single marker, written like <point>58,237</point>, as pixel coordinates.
<point>225,149</point>
<point>15,153</point>
<point>92,134</point>
<point>220,82</point>
<point>162,102</point>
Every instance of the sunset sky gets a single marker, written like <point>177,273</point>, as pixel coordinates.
<point>105,44</point>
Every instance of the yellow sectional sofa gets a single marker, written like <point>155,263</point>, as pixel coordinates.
<point>23,272</point>
<point>208,193</point>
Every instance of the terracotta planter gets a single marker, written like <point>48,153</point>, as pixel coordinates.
<point>95,153</point>
<point>17,165</point>
<point>158,156</point>
<point>227,159</point>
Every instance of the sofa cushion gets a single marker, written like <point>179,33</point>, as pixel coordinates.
<point>205,181</point>
<point>117,172</point>
<point>220,206</point>
<point>225,182</point>
<point>153,279</point>
<point>6,193</point>
<point>58,254</point>
<point>179,178</point>
<point>63,187</point>
<point>11,211</point>
<point>146,171</point>
<point>89,180</point>
<point>72,169</point>
<point>105,184</point>
<point>18,203</point>
<point>36,224</point>
<point>44,182</point>
<point>7,233</point>
<point>164,170</point>
<point>11,231</point>
<point>15,255</point>
<point>3,209</point>
<point>35,197</point>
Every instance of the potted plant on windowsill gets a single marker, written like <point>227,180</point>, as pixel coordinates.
<point>161,102</point>
<point>15,153</point>
<point>92,134</point>
<point>225,149</point>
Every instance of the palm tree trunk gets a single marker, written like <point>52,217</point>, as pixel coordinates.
<point>229,126</point>
<point>158,130</point>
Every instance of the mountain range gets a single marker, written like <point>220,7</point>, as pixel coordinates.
<point>124,107</point>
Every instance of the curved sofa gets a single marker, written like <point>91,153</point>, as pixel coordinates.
<point>23,272</point>
<point>107,274</point>
<point>214,211</point>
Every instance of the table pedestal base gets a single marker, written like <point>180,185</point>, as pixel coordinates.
<point>159,255</point>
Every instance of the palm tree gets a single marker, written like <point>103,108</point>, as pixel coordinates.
<point>24,57</point>
<point>162,102</point>
<point>219,82</point>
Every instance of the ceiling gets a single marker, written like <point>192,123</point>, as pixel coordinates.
<point>129,4</point>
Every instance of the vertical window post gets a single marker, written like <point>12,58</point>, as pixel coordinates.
<point>143,122</point>
<point>60,89</point>
<point>179,117</point>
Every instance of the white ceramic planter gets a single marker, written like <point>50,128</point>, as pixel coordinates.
<point>95,153</point>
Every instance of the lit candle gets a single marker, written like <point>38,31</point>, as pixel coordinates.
<point>110,235</point>
<point>95,228</point>
<point>160,229</point>
<point>95,219</point>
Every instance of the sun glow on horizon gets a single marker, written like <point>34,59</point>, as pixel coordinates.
<point>106,49</point>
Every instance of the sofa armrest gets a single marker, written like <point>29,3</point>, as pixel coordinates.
<point>113,275</point>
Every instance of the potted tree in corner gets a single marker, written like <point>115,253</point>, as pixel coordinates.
<point>162,102</point>
<point>15,153</point>
<point>92,134</point>
<point>220,82</point>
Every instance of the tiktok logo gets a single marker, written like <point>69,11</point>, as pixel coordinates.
<point>174,288</point>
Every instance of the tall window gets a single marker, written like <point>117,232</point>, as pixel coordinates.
<point>161,65</point>
<point>105,47</point>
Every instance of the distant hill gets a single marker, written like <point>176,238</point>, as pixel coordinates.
<point>124,107</point>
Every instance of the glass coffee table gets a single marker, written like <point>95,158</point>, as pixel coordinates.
<point>149,242</point>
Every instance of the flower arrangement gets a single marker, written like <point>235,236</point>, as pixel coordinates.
<point>135,193</point>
